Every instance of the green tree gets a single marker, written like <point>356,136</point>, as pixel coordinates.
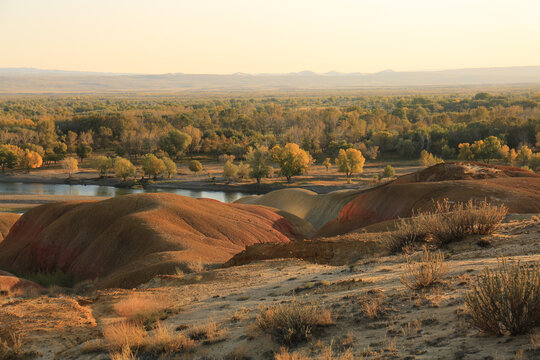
<point>103,164</point>
<point>350,161</point>
<point>230,171</point>
<point>174,142</point>
<point>9,156</point>
<point>523,154</point>
<point>465,152</point>
<point>170,167</point>
<point>258,160</point>
<point>83,151</point>
<point>291,159</point>
<point>427,159</point>
<point>388,172</point>
<point>123,168</point>
<point>534,162</point>
<point>152,166</point>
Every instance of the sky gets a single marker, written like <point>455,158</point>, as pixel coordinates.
<point>274,36</point>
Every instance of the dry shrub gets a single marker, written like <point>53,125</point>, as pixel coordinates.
<point>449,222</point>
<point>140,308</point>
<point>284,354</point>
<point>164,340</point>
<point>506,300</point>
<point>428,271</point>
<point>294,322</point>
<point>124,333</point>
<point>373,308</point>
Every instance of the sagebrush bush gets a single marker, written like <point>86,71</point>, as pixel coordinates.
<point>447,223</point>
<point>506,300</point>
<point>293,322</point>
<point>428,271</point>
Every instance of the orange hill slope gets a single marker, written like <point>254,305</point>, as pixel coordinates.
<point>125,241</point>
<point>516,188</point>
<point>6,222</point>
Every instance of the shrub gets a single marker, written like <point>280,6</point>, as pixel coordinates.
<point>284,354</point>
<point>195,166</point>
<point>422,274</point>
<point>448,222</point>
<point>506,300</point>
<point>388,172</point>
<point>11,348</point>
<point>230,171</point>
<point>124,333</point>
<point>164,340</point>
<point>209,332</point>
<point>141,309</point>
<point>294,322</point>
<point>48,279</point>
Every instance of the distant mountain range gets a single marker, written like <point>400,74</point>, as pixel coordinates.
<point>30,80</point>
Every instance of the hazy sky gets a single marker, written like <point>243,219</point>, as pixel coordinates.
<point>255,36</point>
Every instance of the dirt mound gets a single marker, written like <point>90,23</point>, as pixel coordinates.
<point>339,250</point>
<point>307,205</point>
<point>11,284</point>
<point>400,199</point>
<point>125,241</point>
<point>6,222</point>
<point>464,171</point>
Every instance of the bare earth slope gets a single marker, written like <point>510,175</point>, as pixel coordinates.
<point>127,240</point>
<point>519,190</point>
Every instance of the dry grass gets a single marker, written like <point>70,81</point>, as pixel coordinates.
<point>449,222</point>
<point>123,333</point>
<point>209,332</point>
<point>141,308</point>
<point>422,274</point>
<point>284,354</point>
<point>372,308</point>
<point>124,354</point>
<point>506,300</point>
<point>293,322</point>
<point>164,341</point>
<point>11,347</point>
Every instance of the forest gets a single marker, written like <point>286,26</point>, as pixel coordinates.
<point>36,130</point>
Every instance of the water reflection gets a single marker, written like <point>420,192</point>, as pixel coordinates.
<point>97,190</point>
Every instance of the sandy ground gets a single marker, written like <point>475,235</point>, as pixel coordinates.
<point>429,324</point>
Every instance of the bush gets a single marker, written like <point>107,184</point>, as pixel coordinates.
<point>294,322</point>
<point>388,172</point>
<point>506,300</point>
<point>195,166</point>
<point>449,222</point>
<point>48,279</point>
<point>422,274</point>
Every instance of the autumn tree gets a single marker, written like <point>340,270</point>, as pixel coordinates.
<point>350,161</point>
<point>230,171</point>
<point>9,156</point>
<point>427,159</point>
<point>152,166</point>
<point>103,164</point>
<point>243,170</point>
<point>258,160</point>
<point>70,165</point>
<point>195,166</point>
<point>291,159</point>
<point>31,160</point>
<point>327,163</point>
<point>83,151</point>
<point>170,167</point>
<point>123,168</point>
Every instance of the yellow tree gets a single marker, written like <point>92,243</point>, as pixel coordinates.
<point>350,161</point>
<point>124,168</point>
<point>31,160</point>
<point>70,165</point>
<point>291,159</point>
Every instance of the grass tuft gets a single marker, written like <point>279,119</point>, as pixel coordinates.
<point>294,322</point>
<point>422,274</point>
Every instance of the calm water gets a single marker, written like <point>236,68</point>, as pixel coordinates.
<point>97,190</point>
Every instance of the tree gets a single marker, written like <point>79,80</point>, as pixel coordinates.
<point>152,166</point>
<point>46,133</point>
<point>195,166</point>
<point>465,152</point>
<point>427,159</point>
<point>258,160</point>
<point>350,161</point>
<point>9,156</point>
<point>170,166</point>
<point>327,163</point>
<point>83,151</point>
<point>59,151</point>
<point>230,171</point>
<point>388,172</point>
<point>291,159</point>
<point>102,164</point>
<point>174,142</point>
<point>123,168</point>
<point>534,162</point>
<point>243,170</point>
<point>31,160</point>
<point>70,165</point>
<point>524,153</point>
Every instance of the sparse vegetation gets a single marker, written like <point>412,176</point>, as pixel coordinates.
<point>48,279</point>
<point>141,309</point>
<point>123,333</point>
<point>507,299</point>
<point>447,223</point>
<point>12,348</point>
<point>294,322</point>
<point>422,274</point>
<point>209,332</point>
